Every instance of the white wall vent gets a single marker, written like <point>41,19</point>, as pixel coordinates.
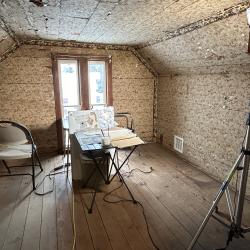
<point>178,144</point>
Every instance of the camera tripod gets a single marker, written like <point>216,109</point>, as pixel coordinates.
<point>235,226</point>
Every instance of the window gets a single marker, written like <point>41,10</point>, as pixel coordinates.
<point>97,83</point>
<point>80,82</point>
<point>69,86</point>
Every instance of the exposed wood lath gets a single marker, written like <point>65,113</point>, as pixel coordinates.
<point>231,11</point>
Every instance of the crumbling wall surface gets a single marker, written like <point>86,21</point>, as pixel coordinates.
<point>209,112</point>
<point>27,92</point>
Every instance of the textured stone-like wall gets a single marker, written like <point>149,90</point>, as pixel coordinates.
<point>27,93</point>
<point>209,112</point>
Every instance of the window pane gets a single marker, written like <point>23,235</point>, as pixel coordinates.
<point>69,82</point>
<point>97,82</point>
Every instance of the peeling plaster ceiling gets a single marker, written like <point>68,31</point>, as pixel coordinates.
<point>130,22</point>
<point>135,23</point>
<point>218,47</point>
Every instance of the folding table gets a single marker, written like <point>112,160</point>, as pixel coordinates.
<point>92,147</point>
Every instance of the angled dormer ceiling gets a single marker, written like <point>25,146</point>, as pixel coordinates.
<point>218,47</point>
<point>145,24</point>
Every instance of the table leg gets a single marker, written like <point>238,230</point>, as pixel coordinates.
<point>121,177</point>
<point>126,159</point>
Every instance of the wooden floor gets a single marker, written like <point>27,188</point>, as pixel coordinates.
<point>175,197</point>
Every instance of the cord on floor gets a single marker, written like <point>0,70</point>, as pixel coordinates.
<point>51,175</point>
<point>130,200</point>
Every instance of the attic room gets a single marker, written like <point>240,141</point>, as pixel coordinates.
<point>124,124</point>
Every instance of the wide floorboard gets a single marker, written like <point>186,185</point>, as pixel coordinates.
<point>174,198</point>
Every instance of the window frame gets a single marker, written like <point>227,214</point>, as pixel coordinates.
<point>82,61</point>
<point>78,83</point>
<point>106,94</point>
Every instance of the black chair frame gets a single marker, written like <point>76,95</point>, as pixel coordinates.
<point>128,117</point>
<point>34,154</point>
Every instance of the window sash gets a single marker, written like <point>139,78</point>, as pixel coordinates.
<point>91,103</point>
<point>74,62</point>
<point>82,61</point>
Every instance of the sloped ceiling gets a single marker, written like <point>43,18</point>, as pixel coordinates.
<point>128,22</point>
<point>134,23</point>
<point>218,47</point>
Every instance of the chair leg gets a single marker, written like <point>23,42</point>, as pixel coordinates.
<point>5,164</point>
<point>38,159</point>
<point>68,164</point>
<point>33,172</point>
<point>64,146</point>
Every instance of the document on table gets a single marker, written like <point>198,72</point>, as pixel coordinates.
<point>124,143</point>
<point>119,134</point>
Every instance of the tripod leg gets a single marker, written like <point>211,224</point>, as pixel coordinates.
<point>230,204</point>
<point>216,201</point>
<point>216,209</point>
<point>244,177</point>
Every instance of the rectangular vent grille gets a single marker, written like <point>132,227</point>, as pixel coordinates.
<point>178,144</point>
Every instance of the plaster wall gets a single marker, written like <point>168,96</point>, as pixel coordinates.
<point>27,92</point>
<point>204,92</point>
<point>209,112</point>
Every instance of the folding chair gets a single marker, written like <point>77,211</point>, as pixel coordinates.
<point>16,143</point>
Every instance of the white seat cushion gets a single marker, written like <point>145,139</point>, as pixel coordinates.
<point>12,152</point>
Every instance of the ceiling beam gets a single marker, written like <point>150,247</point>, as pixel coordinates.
<point>144,61</point>
<point>231,11</point>
<point>74,44</point>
